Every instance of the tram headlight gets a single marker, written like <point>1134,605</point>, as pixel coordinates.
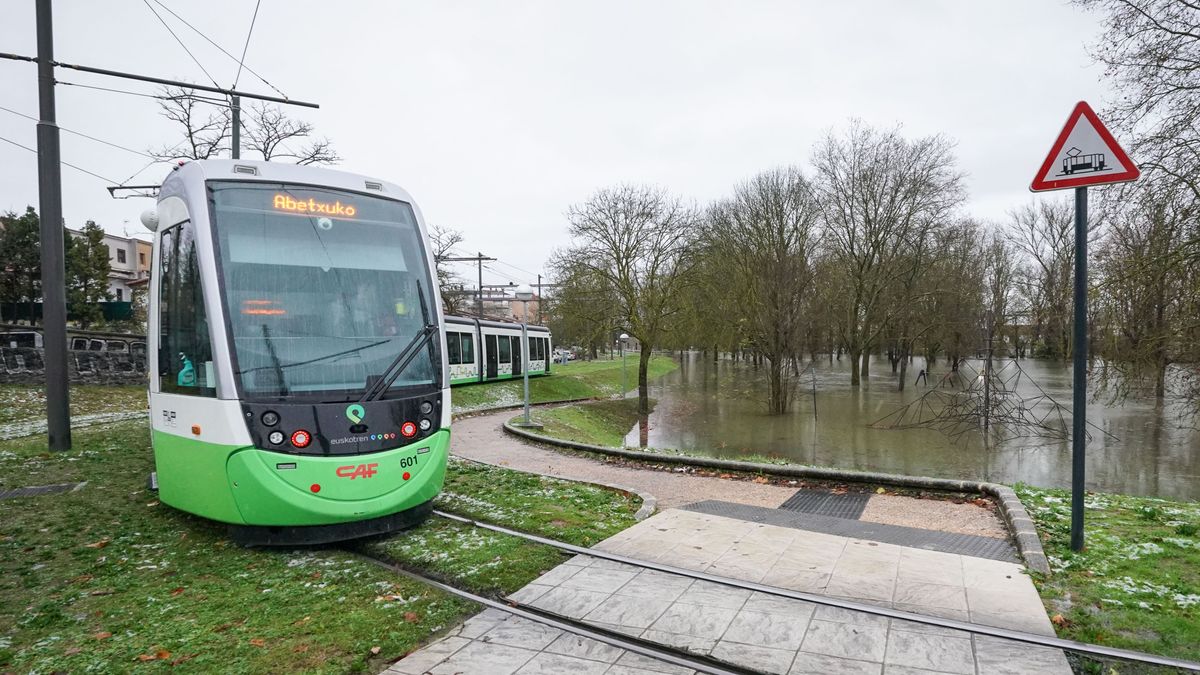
<point>426,407</point>
<point>301,438</point>
<point>270,418</point>
<point>276,437</point>
<point>425,424</point>
<point>408,430</point>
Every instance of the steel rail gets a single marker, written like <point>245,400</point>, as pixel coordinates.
<point>160,80</point>
<point>953,624</point>
<point>636,645</point>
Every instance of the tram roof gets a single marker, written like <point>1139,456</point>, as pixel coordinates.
<point>274,172</point>
<point>471,321</point>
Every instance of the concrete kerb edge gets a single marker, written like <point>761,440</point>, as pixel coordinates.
<point>649,501</point>
<point>1019,523</point>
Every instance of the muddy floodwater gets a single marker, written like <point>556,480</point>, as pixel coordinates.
<point>718,409</point>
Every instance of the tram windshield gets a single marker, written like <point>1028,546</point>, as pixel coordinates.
<point>323,288</point>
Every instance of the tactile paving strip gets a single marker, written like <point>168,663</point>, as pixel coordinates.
<point>848,505</point>
<point>38,490</point>
<point>931,540</point>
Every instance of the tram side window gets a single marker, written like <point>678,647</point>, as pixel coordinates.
<point>505,345</point>
<point>185,353</point>
<point>452,351</point>
<point>468,348</point>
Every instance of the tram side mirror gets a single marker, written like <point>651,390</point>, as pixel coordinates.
<point>150,219</point>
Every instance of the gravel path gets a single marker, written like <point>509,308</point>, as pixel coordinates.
<point>482,439</point>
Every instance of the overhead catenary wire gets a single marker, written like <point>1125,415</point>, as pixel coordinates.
<point>246,46</point>
<point>77,168</point>
<point>177,39</point>
<point>223,50</point>
<point>81,134</point>
<point>160,97</point>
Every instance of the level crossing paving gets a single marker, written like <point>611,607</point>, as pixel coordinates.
<point>756,630</point>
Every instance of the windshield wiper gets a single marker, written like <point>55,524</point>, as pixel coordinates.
<point>398,364</point>
<point>405,357</point>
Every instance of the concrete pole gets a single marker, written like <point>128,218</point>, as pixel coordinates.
<point>525,356</point>
<point>54,298</point>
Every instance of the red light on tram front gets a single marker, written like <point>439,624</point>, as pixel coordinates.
<point>406,475</point>
<point>316,487</point>
<point>301,438</point>
<point>408,430</point>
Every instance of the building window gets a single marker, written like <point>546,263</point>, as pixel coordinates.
<point>120,255</point>
<point>141,258</point>
<point>120,294</point>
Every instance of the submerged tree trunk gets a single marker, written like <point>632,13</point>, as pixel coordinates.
<point>905,355</point>
<point>865,371</point>
<point>643,388</point>
<point>855,360</point>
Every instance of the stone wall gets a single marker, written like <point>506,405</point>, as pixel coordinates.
<point>21,365</point>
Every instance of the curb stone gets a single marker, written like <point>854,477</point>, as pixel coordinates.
<point>1019,523</point>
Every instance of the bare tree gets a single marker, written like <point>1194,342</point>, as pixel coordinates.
<point>205,128</point>
<point>274,135</point>
<point>635,240</point>
<point>881,195</point>
<point>449,283</point>
<point>765,236</point>
<point>1151,49</point>
<point>267,130</point>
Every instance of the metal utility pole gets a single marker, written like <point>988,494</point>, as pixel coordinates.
<point>479,260</point>
<point>54,298</point>
<point>539,300</point>
<point>1079,371</point>
<point>235,146</point>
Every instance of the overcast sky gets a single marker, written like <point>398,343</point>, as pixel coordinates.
<point>497,116</point>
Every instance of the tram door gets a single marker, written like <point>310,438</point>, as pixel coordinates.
<point>516,355</point>
<point>492,359</point>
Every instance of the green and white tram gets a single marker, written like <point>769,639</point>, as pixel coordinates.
<point>479,350</point>
<point>298,390</point>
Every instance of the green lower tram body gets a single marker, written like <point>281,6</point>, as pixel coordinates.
<point>474,379</point>
<point>241,485</point>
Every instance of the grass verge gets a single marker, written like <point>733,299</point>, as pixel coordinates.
<point>109,579</point>
<point>1136,585</point>
<point>597,423</point>
<point>579,379</point>
<point>492,563</point>
<point>20,403</point>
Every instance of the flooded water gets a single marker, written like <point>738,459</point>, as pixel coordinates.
<point>719,409</point>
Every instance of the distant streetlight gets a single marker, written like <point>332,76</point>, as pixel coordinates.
<point>624,381</point>
<point>524,293</point>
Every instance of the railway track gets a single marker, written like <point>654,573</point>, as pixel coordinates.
<point>709,665</point>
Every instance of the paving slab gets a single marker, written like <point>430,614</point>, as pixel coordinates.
<point>756,630</point>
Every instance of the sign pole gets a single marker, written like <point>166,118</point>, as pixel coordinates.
<point>1079,371</point>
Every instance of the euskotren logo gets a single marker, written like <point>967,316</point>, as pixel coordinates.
<point>355,413</point>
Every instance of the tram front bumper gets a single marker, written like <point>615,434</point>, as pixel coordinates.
<point>277,489</point>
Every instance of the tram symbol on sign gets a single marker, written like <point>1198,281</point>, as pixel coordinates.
<point>1077,162</point>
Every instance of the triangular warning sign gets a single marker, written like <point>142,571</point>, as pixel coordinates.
<point>1084,154</point>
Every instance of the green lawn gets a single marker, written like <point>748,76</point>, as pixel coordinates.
<point>19,403</point>
<point>1136,585</point>
<point>578,379</point>
<point>109,579</point>
<point>597,423</point>
<point>492,563</point>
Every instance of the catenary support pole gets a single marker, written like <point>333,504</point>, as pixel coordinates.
<point>1079,371</point>
<point>235,109</point>
<point>54,298</point>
